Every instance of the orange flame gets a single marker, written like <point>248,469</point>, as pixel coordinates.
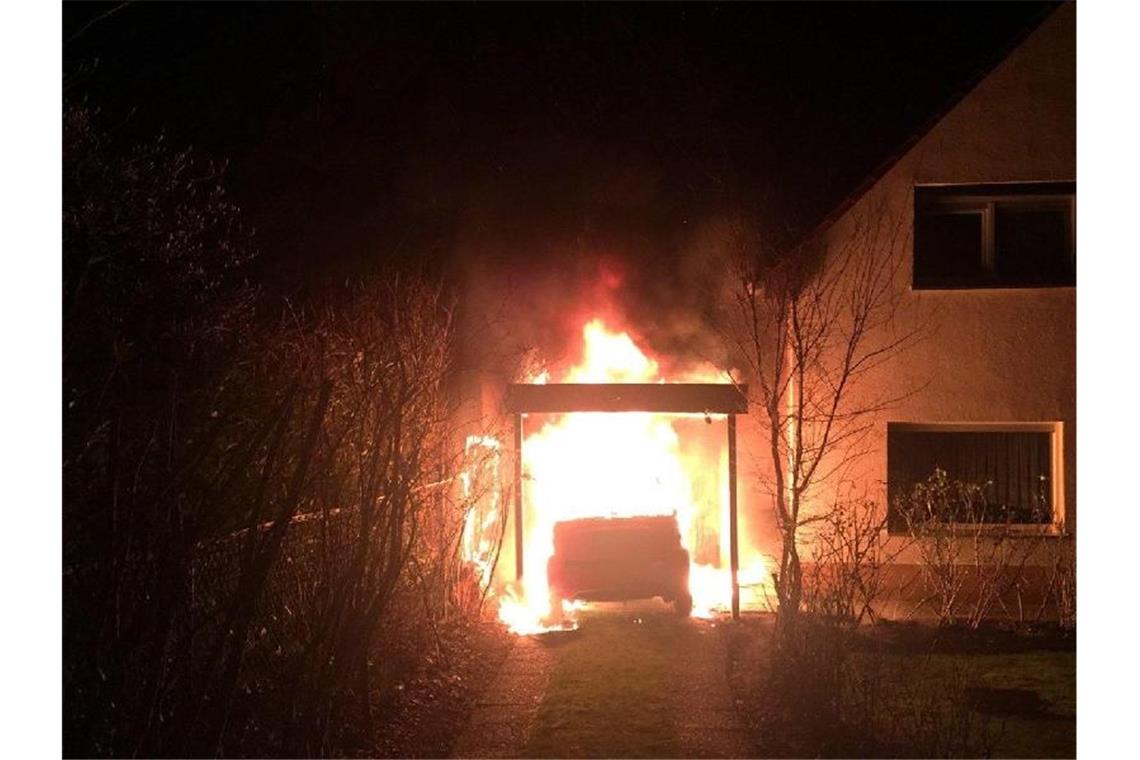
<point>603,464</point>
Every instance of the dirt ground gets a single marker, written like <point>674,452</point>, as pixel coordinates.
<point>427,711</point>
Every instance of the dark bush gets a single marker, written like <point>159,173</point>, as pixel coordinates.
<point>260,529</point>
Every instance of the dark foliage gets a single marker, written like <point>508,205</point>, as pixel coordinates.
<point>260,534</point>
<point>155,361</point>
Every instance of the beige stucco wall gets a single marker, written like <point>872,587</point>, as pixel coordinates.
<point>1006,355</point>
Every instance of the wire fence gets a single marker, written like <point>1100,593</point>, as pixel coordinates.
<point>315,552</point>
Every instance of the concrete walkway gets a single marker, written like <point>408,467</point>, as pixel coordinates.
<point>501,720</point>
<point>707,720</point>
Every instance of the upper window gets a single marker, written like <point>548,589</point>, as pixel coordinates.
<point>995,236</point>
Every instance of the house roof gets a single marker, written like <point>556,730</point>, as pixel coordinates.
<point>901,150</point>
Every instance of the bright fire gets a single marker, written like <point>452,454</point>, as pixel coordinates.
<point>622,465</point>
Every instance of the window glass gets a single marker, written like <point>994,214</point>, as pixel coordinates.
<point>994,236</point>
<point>1032,243</point>
<point>951,245</point>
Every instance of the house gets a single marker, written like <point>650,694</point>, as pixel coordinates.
<point>987,196</point>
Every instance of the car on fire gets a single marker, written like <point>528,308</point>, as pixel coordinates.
<point>619,558</point>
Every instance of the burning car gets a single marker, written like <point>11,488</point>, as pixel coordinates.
<point>619,558</point>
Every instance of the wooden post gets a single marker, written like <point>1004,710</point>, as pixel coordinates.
<point>733,552</point>
<point>518,498</point>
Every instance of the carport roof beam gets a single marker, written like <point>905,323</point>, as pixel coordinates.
<point>661,398</point>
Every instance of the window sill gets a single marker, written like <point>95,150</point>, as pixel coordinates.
<point>967,530</point>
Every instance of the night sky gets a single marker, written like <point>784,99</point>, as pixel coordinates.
<point>361,132</point>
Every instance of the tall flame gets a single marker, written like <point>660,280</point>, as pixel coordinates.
<point>621,465</point>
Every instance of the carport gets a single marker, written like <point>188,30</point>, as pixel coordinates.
<point>658,398</point>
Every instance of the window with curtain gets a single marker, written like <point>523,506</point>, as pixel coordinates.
<point>1013,468</point>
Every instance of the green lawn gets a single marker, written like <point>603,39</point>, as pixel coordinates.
<point>1053,676</point>
<point>1040,721</point>
<point>611,687</point>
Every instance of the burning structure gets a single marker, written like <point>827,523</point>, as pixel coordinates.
<point>610,448</point>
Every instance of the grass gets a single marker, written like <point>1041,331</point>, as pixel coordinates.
<point>1052,676</point>
<point>910,694</point>
<point>615,683</point>
<point>1005,705</point>
<point>611,690</point>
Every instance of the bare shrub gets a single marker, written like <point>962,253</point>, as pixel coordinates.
<point>969,562</point>
<point>351,523</point>
<point>1061,591</point>
<point>160,386</point>
<point>850,556</point>
<point>386,451</point>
